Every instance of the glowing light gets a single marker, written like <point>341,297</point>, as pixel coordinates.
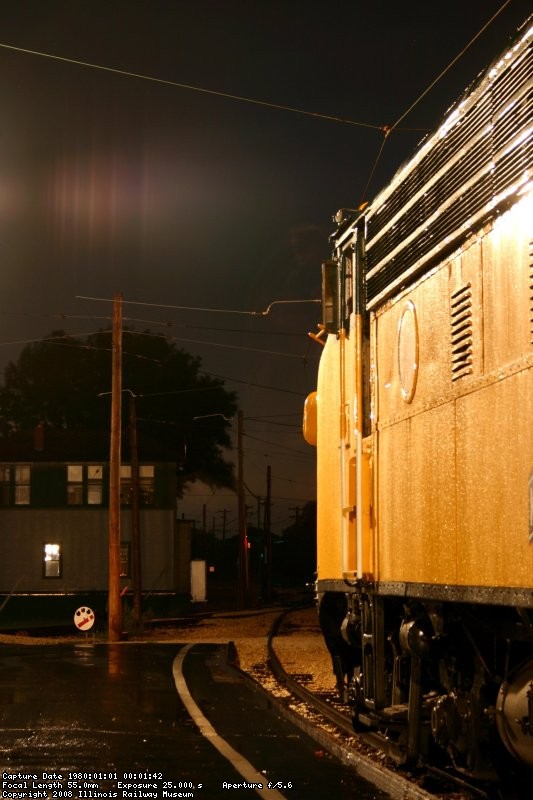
<point>51,552</point>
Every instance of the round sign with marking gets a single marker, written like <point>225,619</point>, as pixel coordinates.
<point>84,618</point>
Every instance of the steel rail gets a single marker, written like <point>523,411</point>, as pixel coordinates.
<point>344,723</point>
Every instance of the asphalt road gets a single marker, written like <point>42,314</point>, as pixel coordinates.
<point>85,720</point>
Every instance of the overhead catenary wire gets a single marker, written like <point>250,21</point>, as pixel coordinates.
<point>304,358</point>
<point>374,167</point>
<point>160,323</point>
<point>388,129</point>
<point>384,128</point>
<point>247,313</point>
<point>450,65</point>
<point>190,87</point>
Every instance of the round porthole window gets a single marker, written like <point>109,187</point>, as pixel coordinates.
<point>408,351</point>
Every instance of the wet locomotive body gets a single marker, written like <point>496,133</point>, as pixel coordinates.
<point>423,422</point>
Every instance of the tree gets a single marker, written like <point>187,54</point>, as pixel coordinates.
<point>64,382</point>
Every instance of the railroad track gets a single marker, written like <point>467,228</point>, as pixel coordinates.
<point>442,783</point>
<point>293,685</point>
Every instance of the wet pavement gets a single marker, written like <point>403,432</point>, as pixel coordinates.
<point>102,716</point>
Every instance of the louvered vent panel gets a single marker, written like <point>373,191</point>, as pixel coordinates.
<point>461,329</point>
<point>434,206</point>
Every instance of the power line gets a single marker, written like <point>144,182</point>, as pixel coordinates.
<point>82,346</point>
<point>52,340</point>
<point>254,385</point>
<point>167,324</point>
<point>148,334</point>
<point>182,391</point>
<point>271,416</point>
<point>221,345</point>
<point>274,444</point>
<point>296,456</point>
<point>295,431</point>
<point>292,425</point>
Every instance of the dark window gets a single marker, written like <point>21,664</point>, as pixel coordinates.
<point>5,485</point>
<point>146,484</point>
<point>125,484</point>
<point>74,484</point>
<point>95,483</point>
<point>124,559</point>
<point>22,484</point>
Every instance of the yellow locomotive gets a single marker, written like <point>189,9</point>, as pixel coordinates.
<point>423,423</point>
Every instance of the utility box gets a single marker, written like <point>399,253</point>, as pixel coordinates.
<point>198,581</point>
<point>182,555</point>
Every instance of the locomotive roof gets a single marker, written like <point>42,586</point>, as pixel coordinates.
<point>469,169</point>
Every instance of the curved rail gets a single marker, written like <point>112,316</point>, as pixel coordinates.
<point>343,722</point>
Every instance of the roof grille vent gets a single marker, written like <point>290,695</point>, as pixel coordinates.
<point>461,329</point>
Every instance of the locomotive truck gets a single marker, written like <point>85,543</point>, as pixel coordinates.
<point>423,424</point>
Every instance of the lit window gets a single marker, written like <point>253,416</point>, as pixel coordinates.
<point>84,484</point>
<point>52,563</point>
<point>22,485</point>
<point>74,484</point>
<point>94,484</point>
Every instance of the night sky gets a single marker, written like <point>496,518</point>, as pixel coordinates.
<point>110,183</point>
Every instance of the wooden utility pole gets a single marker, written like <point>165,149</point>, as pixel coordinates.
<point>114,604</point>
<point>243,543</point>
<point>224,512</point>
<point>268,537</point>
<point>135,516</point>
